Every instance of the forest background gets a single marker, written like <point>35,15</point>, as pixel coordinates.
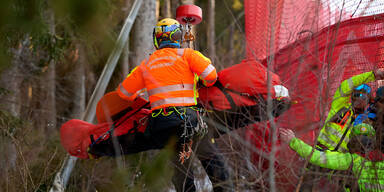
<point>51,56</point>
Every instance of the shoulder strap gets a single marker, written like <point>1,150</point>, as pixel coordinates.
<point>116,124</point>
<point>225,91</point>
<point>341,112</point>
<point>227,95</point>
<point>343,136</point>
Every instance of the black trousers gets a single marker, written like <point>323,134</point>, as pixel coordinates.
<point>181,123</point>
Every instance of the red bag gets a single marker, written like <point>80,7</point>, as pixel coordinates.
<point>244,82</point>
<point>76,134</point>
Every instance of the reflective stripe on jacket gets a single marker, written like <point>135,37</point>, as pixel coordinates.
<point>170,77</point>
<point>370,175</point>
<point>331,133</point>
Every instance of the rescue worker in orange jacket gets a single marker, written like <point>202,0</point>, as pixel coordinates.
<point>170,76</point>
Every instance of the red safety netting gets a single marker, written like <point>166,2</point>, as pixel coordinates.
<point>270,25</point>
<point>312,68</point>
<point>313,46</point>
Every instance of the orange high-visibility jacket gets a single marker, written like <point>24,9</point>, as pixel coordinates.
<point>169,75</point>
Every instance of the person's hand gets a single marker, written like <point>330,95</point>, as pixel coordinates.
<point>379,74</point>
<point>286,135</point>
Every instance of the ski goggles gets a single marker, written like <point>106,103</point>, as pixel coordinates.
<point>363,88</point>
<point>360,96</point>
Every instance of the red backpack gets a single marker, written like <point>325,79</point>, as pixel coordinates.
<point>239,85</point>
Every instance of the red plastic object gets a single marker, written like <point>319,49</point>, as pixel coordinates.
<point>191,14</point>
<point>233,78</point>
<point>75,134</point>
<point>112,104</point>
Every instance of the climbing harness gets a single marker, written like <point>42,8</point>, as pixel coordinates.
<point>189,127</point>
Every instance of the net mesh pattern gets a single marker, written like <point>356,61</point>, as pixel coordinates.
<point>313,46</point>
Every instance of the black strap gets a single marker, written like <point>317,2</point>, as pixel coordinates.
<point>226,94</point>
<point>137,110</point>
<point>225,91</point>
<point>341,112</point>
<point>110,131</point>
<point>342,137</point>
<point>134,129</point>
<point>92,139</point>
<point>339,115</point>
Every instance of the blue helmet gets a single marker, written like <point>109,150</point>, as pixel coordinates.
<point>362,91</point>
<point>363,88</point>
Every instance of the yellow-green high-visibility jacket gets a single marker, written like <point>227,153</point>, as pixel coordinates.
<point>340,114</point>
<point>370,175</point>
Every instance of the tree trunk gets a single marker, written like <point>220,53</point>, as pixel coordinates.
<point>125,68</point>
<point>231,44</point>
<point>10,81</point>
<point>187,2</point>
<point>211,30</point>
<point>143,27</point>
<point>48,82</point>
<point>10,102</point>
<point>79,82</point>
<point>166,9</point>
<point>174,5</point>
<point>157,13</point>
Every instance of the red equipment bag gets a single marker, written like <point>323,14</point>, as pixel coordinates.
<point>77,135</point>
<point>244,83</point>
<point>111,107</point>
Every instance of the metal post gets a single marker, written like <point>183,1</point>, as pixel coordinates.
<point>62,177</point>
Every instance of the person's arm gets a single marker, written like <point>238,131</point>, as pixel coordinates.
<point>326,159</point>
<point>202,66</point>
<point>344,91</point>
<point>133,83</point>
